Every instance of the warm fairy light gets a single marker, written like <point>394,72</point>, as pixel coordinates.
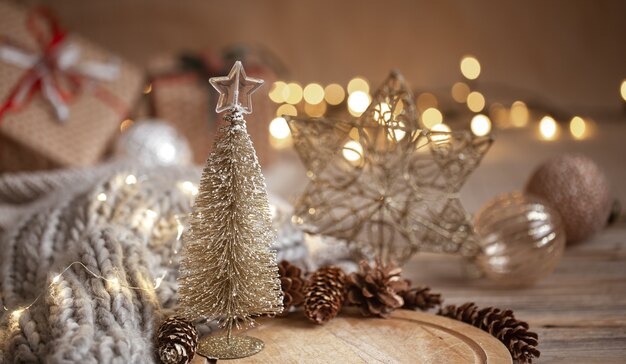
<point>548,128</point>
<point>358,101</point>
<point>440,128</point>
<point>114,283</point>
<point>358,84</point>
<point>578,127</point>
<point>17,314</point>
<point>475,101</point>
<point>519,114</point>
<point>189,188</point>
<point>126,124</point>
<point>622,90</point>
<point>295,93</point>
<point>279,128</point>
<point>481,125</point>
<point>286,109</point>
<point>460,90</point>
<point>159,280</point>
<point>279,92</point>
<point>147,89</point>
<point>470,67</point>
<point>352,151</point>
<point>431,117</point>
<point>101,197</point>
<point>426,100</point>
<point>151,214</point>
<point>56,279</point>
<point>334,94</point>
<point>313,93</point>
<point>382,112</point>
<point>130,179</point>
<point>316,110</point>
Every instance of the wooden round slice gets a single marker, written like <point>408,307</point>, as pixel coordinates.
<point>405,337</point>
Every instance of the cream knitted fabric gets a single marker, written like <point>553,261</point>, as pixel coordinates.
<point>82,318</point>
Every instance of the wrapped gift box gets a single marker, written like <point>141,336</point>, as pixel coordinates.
<point>62,98</point>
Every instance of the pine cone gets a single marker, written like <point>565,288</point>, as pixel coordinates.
<point>292,284</point>
<point>502,325</point>
<point>376,290</point>
<point>420,298</point>
<point>177,340</point>
<point>324,294</point>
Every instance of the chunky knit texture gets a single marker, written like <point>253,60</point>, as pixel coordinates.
<point>81,318</point>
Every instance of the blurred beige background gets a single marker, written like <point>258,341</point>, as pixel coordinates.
<point>568,53</point>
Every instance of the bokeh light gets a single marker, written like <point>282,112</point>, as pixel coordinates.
<point>438,139</point>
<point>578,127</point>
<point>397,133</point>
<point>480,125</point>
<point>519,114</point>
<point>426,100</point>
<point>460,90</point>
<point>548,128</point>
<point>470,67</point>
<point>286,109</point>
<point>334,94</point>
<point>382,112</point>
<point>313,93</point>
<point>358,84</point>
<point>475,101</point>
<point>315,110</point>
<point>294,95</point>
<point>352,151</point>
<point>500,115</point>
<point>279,92</point>
<point>358,102</point>
<point>431,117</point>
<point>622,90</point>
<point>279,128</point>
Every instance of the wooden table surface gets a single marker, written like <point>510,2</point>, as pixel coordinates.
<point>579,311</point>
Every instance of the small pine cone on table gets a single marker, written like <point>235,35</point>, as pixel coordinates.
<point>376,289</point>
<point>177,340</point>
<point>324,295</point>
<point>420,298</point>
<point>292,284</point>
<point>501,324</point>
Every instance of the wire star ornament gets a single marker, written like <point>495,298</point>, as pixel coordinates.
<point>235,90</point>
<point>384,183</point>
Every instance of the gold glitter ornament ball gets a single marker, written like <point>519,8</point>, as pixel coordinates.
<point>522,240</point>
<point>578,189</point>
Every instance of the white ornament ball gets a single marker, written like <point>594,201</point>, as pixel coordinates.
<point>153,142</point>
<point>521,239</point>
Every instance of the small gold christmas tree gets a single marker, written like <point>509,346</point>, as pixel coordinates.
<point>228,271</point>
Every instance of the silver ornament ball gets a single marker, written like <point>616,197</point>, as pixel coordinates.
<point>153,142</point>
<point>522,239</point>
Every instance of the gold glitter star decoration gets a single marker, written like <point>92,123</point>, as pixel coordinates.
<point>384,183</point>
<point>235,90</point>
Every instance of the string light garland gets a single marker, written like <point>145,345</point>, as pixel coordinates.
<point>149,219</point>
<point>317,100</point>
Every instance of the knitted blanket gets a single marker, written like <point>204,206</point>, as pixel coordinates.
<point>105,309</point>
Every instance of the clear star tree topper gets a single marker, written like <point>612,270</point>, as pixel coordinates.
<point>228,271</point>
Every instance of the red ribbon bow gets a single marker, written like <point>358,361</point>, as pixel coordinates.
<point>55,71</point>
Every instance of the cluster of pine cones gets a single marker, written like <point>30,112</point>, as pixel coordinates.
<point>378,290</point>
